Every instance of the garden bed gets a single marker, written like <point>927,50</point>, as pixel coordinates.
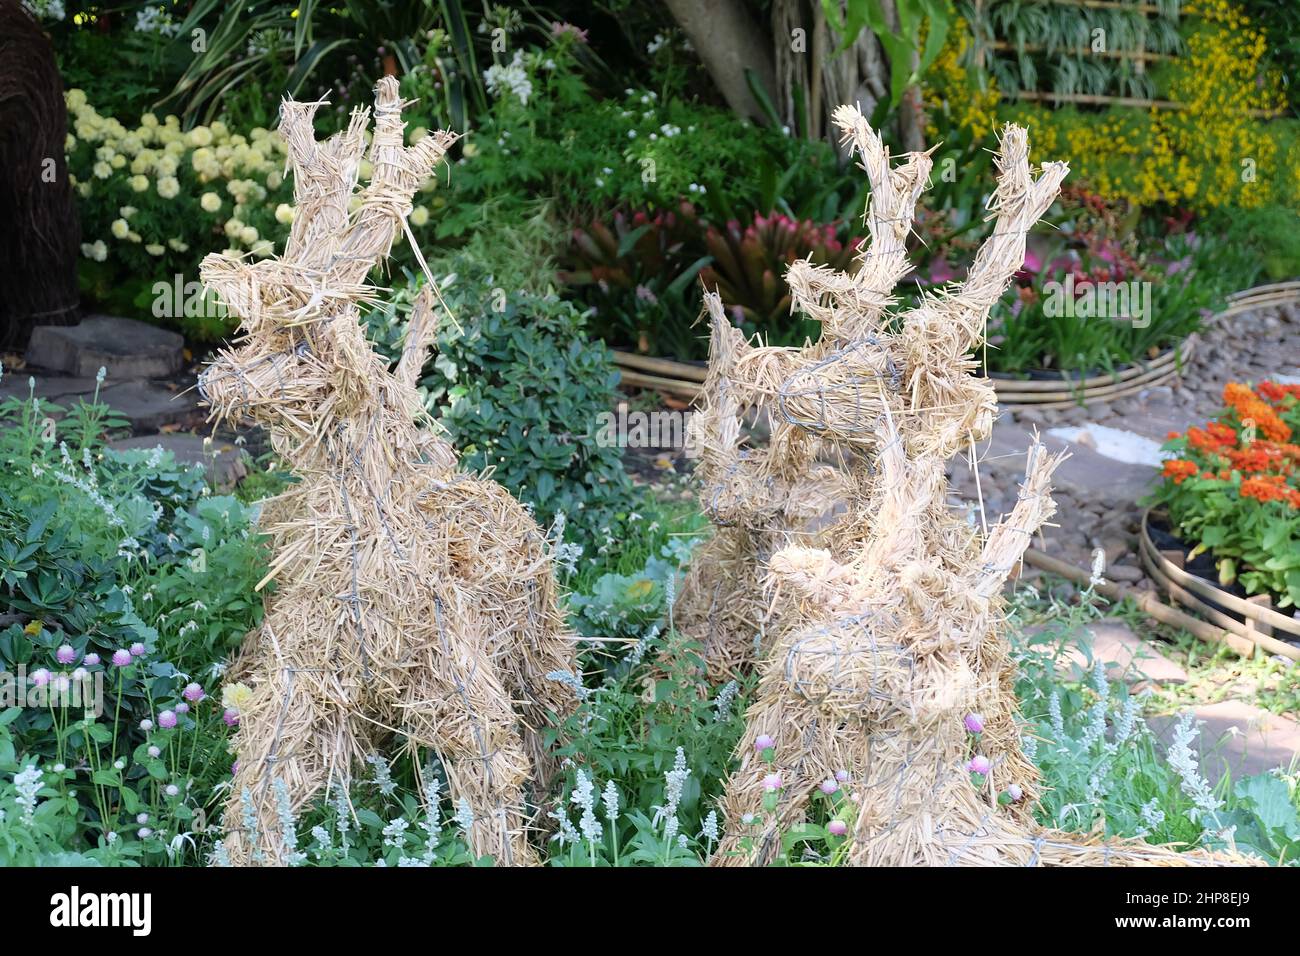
<point>1193,584</point>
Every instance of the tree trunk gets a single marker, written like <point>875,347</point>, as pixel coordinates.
<point>40,238</point>
<point>728,42</point>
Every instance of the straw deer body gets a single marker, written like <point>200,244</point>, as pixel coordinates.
<point>887,626</point>
<point>411,599</point>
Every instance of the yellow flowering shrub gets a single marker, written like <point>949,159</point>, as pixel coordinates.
<point>952,93</point>
<point>1215,152</point>
<point>155,199</point>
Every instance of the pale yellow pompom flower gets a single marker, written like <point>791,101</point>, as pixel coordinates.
<point>210,202</point>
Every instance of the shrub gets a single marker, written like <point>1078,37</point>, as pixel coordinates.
<point>1233,490</point>
<point>519,388</point>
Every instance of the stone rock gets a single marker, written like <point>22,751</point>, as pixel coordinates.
<point>189,448</point>
<point>59,389</point>
<point>1124,573</point>
<point>149,407</point>
<point>125,348</point>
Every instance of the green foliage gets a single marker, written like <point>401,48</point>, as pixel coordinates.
<point>105,552</point>
<point>1101,763</point>
<point>520,388</point>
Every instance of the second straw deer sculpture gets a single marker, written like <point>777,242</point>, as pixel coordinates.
<point>885,627</point>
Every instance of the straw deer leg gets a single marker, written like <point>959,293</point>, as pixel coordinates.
<point>474,731</point>
<point>288,740</point>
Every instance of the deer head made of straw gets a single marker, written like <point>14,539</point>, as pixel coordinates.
<point>411,599</point>
<point>882,627</point>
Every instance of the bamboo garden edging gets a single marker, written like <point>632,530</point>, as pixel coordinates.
<point>1199,595</point>
<point>684,379</point>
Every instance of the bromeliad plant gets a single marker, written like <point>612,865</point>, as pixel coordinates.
<point>1233,490</point>
<point>637,272</point>
<point>749,266</point>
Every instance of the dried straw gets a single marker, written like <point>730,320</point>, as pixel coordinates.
<point>411,599</point>
<point>884,629</point>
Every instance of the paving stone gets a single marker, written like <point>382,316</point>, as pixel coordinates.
<point>127,349</point>
<point>1238,738</point>
<point>1085,472</point>
<point>149,407</point>
<point>59,389</point>
<point>190,448</point>
<point>1127,656</point>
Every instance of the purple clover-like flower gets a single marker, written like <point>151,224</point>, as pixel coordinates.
<point>121,657</point>
<point>65,654</point>
<point>167,719</point>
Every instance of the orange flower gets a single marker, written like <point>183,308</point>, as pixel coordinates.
<point>1270,488</point>
<point>1276,393</point>
<point>1248,405</point>
<point>1178,470</point>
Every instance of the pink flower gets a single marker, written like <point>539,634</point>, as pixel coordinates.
<point>1014,792</point>
<point>231,717</point>
<point>764,742</point>
<point>974,723</point>
<point>772,782</point>
<point>568,29</point>
<point>182,708</point>
<point>829,786</point>
<point>979,764</point>
<point>65,654</point>
<point>192,692</point>
<point>137,649</point>
<point>40,677</point>
<point>842,776</point>
<point>121,657</point>
<point>234,768</point>
<point>837,828</point>
<point>90,660</point>
<point>167,719</point>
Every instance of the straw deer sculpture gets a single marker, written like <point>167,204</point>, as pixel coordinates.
<point>885,627</point>
<point>411,599</point>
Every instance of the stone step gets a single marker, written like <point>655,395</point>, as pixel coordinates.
<point>150,407</point>
<point>59,389</point>
<point>1086,472</point>
<point>190,448</point>
<point>125,348</point>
